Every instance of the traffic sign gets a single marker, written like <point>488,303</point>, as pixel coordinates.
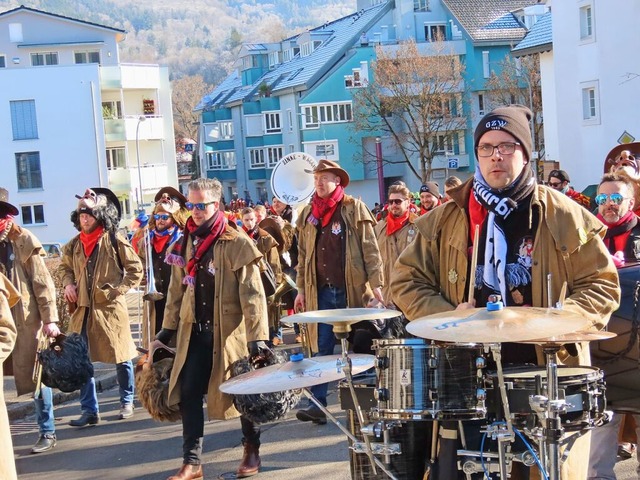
<point>453,163</point>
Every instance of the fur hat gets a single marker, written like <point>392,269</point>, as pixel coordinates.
<point>5,207</point>
<point>171,201</point>
<point>431,187</point>
<point>100,203</point>
<point>513,119</point>
<point>624,155</point>
<point>333,167</point>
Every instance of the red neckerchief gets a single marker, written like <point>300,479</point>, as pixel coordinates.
<point>477,216</point>
<point>253,233</point>
<point>4,222</point>
<point>323,208</point>
<point>396,223</point>
<point>273,211</point>
<point>217,227</point>
<point>90,240</point>
<point>620,240</point>
<point>424,210</point>
<point>159,242</point>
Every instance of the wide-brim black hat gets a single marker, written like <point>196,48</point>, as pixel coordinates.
<point>111,197</point>
<point>5,207</point>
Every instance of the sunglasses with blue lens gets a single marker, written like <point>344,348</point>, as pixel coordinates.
<point>198,206</point>
<point>616,198</point>
<point>162,216</point>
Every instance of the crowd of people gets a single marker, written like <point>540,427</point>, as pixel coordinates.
<point>215,268</point>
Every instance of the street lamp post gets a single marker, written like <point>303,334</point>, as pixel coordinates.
<point>380,170</point>
<point>141,119</point>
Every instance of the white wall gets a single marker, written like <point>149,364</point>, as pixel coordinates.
<point>612,60</point>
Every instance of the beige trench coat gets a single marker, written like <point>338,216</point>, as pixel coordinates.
<point>108,328</point>
<point>37,306</point>
<point>392,246</point>
<point>363,264</point>
<point>8,297</point>
<point>240,316</point>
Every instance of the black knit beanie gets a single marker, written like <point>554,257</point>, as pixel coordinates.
<point>513,119</point>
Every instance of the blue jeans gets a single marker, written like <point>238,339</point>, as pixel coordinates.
<point>328,298</point>
<point>89,397</point>
<point>44,411</point>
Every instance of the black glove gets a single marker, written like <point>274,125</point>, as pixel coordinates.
<point>165,335</point>
<point>256,347</point>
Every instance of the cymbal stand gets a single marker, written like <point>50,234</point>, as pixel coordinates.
<point>553,431</point>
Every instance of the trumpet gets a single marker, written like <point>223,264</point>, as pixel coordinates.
<point>152,294</point>
<point>36,376</point>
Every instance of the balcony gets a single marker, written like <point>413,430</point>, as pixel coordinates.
<point>130,76</point>
<point>153,176</point>
<point>120,180</point>
<point>152,128</point>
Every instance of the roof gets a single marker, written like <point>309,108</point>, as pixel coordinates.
<point>492,21</point>
<point>539,39</point>
<point>42,12</point>
<point>301,72</point>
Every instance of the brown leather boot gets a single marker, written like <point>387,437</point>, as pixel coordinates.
<point>250,464</point>
<point>188,472</point>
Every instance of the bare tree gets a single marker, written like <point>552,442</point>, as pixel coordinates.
<point>414,97</point>
<point>187,92</point>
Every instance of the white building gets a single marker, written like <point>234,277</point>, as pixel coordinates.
<point>75,117</point>
<point>596,71</point>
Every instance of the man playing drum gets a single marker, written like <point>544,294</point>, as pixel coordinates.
<point>526,232</point>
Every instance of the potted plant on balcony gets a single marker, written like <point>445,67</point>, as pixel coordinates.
<point>148,106</point>
<point>107,112</point>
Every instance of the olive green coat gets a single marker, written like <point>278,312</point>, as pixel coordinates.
<point>108,328</point>
<point>363,264</point>
<point>431,274</point>
<point>240,316</point>
<point>33,281</point>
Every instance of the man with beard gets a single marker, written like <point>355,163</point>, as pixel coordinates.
<point>165,232</point>
<point>98,267</point>
<point>217,309</point>
<point>22,261</point>
<point>559,180</point>
<point>338,259</point>
<point>430,197</point>
<point>624,159</point>
<point>526,232</point>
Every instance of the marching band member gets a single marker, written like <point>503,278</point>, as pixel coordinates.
<point>98,267</point>
<point>165,233</point>
<point>526,232</point>
<point>338,258</point>
<point>21,260</point>
<point>217,308</point>
<point>9,296</point>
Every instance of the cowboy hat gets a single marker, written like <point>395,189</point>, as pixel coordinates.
<point>333,167</point>
<point>614,156</point>
<point>270,226</point>
<point>170,200</point>
<point>5,207</point>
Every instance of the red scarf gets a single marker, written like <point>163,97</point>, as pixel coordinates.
<point>396,223</point>
<point>477,215</point>
<point>159,242</point>
<point>90,240</point>
<point>323,208</point>
<point>217,227</point>
<point>253,233</point>
<point>619,236</point>
<point>424,210</point>
<point>4,222</point>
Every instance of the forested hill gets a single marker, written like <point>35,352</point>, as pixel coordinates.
<point>195,36</point>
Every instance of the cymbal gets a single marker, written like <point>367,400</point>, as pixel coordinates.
<point>294,375</point>
<point>342,315</point>
<point>574,337</point>
<point>511,324</point>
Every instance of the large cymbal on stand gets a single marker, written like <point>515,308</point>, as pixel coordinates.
<point>574,337</point>
<point>509,324</point>
<point>342,318</point>
<point>293,375</point>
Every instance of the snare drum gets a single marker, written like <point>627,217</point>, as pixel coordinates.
<point>582,388</point>
<point>421,381</point>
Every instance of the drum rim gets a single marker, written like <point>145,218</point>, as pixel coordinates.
<point>588,372</point>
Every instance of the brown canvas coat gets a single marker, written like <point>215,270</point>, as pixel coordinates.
<point>108,328</point>
<point>391,246</point>
<point>9,296</point>
<point>431,274</point>
<point>240,316</point>
<point>37,305</point>
<point>363,264</point>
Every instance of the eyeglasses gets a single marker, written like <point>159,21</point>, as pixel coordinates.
<point>198,206</point>
<point>396,201</point>
<point>506,148</point>
<point>554,184</point>
<point>616,198</point>
<point>161,216</point>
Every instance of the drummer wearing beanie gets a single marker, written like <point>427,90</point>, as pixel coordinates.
<point>526,232</point>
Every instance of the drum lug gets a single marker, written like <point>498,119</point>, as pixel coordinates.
<point>432,362</point>
<point>481,362</point>
<point>382,363</point>
<point>381,394</point>
<point>481,394</point>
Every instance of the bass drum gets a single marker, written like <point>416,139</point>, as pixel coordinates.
<point>413,438</point>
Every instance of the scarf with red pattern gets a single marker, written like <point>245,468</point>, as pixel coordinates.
<point>323,208</point>
<point>5,226</point>
<point>90,240</point>
<point>619,231</point>
<point>218,224</point>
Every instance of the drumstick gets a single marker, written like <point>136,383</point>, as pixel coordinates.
<point>474,263</point>
<point>563,294</point>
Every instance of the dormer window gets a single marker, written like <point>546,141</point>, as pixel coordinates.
<point>248,62</point>
<point>274,59</point>
<point>306,49</point>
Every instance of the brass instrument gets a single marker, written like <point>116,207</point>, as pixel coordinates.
<point>274,301</point>
<point>151,292</point>
<point>41,345</point>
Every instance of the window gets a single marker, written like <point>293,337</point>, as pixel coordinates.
<point>125,205</point>
<point>442,144</point>
<point>306,49</point>
<point>290,119</point>
<point>435,33</point>
<point>586,22</point>
<point>274,154</point>
<point>272,123</point>
<point>248,62</point>
<point>274,59</point>
<point>355,79</point>
<point>480,104</point>
<point>28,168</point>
<point>486,72</point>
<point>87,57</point>
<point>221,160</point>
<point>590,103</point>
<point>116,158</point>
<point>421,6</point>
<point>32,214</point>
<point>226,130</point>
<point>48,58</point>
<point>325,150</point>
<point>3,61</point>
<point>256,158</point>
<point>111,110</point>
<point>23,119</point>
<point>313,116</point>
